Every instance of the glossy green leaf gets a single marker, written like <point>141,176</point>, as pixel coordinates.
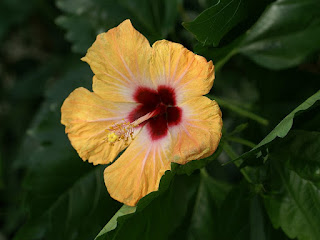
<point>287,32</point>
<point>282,129</point>
<point>213,23</point>
<point>284,36</point>
<point>293,203</point>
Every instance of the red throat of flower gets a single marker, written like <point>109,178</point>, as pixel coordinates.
<point>157,110</point>
<point>160,106</point>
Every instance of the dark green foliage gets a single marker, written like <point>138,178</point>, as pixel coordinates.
<point>58,186</point>
<point>212,24</point>
<point>263,182</point>
<point>286,34</point>
<point>84,19</point>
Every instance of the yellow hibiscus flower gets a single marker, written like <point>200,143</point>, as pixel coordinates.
<point>148,100</point>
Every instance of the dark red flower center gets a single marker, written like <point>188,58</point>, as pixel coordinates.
<point>161,101</point>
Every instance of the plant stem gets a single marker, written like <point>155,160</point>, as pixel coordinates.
<point>245,113</point>
<point>241,141</point>
<point>229,151</point>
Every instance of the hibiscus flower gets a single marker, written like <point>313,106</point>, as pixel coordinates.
<point>147,100</point>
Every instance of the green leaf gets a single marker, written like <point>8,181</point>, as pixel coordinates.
<point>300,152</point>
<point>291,176</point>
<point>219,213</point>
<point>155,218</point>
<point>80,31</point>
<point>113,223</point>
<point>286,33</point>
<point>154,18</point>
<point>293,203</point>
<point>282,129</point>
<point>284,36</point>
<point>213,23</point>
<point>85,19</point>
<point>210,196</point>
<point>125,212</point>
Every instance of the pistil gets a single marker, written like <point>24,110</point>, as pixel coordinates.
<point>124,130</point>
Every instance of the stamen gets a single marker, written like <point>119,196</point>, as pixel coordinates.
<point>120,131</point>
<point>124,130</point>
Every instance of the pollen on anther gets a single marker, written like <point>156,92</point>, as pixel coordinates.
<point>120,131</point>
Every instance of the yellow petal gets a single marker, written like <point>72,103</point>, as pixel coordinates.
<point>138,170</point>
<point>87,117</point>
<point>199,133</point>
<point>119,59</point>
<point>189,74</point>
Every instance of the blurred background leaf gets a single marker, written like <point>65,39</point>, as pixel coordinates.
<point>84,19</point>
<point>61,191</point>
<point>287,33</point>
